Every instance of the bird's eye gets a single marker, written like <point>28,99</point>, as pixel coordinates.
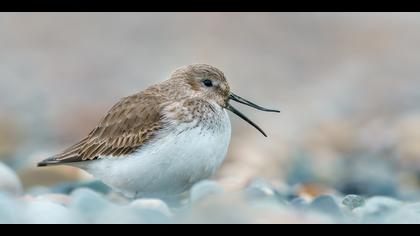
<point>208,83</point>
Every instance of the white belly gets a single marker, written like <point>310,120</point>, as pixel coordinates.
<point>168,166</point>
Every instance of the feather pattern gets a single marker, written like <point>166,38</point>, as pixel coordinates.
<point>129,124</point>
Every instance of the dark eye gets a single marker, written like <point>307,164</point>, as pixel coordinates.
<point>207,83</point>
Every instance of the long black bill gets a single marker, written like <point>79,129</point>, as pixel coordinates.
<point>246,102</point>
<point>251,104</point>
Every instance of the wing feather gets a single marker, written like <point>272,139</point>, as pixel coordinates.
<point>129,124</point>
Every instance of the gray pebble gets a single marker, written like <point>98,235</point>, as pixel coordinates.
<point>152,205</point>
<point>353,201</point>
<point>377,209</point>
<point>88,203</point>
<point>9,181</point>
<point>47,212</point>
<point>9,210</point>
<point>407,214</point>
<point>95,185</point>
<point>119,215</point>
<point>259,188</point>
<point>326,204</point>
<point>204,189</point>
<point>299,203</point>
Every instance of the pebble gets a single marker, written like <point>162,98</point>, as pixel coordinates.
<point>326,204</point>
<point>259,188</point>
<point>204,189</point>
<point>94,185</point>
<point>407,214</point>
<point>47,212</point>
<point>377,209</point>
<point>119,215</point>
<point>299,203</point>
<point>152,205</point>
<point>9,181</point>
<point>353,201</point>
<point>88,204</point>
<point>10,210</point>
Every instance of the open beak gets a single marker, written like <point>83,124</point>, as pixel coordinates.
<point>236,98</point>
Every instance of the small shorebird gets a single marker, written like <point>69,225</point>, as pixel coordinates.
<point>162,140</point>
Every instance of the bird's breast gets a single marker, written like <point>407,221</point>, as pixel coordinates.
<point>181,155</point>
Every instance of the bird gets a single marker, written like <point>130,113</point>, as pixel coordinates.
<point>160,141</point>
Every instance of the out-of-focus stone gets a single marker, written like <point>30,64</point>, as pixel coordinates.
<point>407,214</point>
<point>10,210</point>
<point>262,189</point>
<point>377,209</point>
<point>128,215</point>
<point>259,188</point>
<point>152,205</point>
<point>353,201</point>
<point>47,212</point>
<point>95,185</point>
<point>88,204</point>
<point>327,205</point>
<point>9,181</point>
<point>299,203</point>
<point>310,191</point>
<point>204,189</point>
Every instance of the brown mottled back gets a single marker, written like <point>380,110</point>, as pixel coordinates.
<point>135,120</point>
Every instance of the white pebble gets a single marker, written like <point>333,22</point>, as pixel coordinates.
<point>9,181</point>
<point>88,204</point>
<point>10,210</point>
<point>45,212</point>
<point>204,189</point>
<point>152,204</point>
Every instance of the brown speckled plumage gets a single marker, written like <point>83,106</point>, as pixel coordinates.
<point>135,120</point>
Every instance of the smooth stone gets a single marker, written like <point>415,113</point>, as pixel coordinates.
<point>204,189</point>
<point>407,214</point>
<point>299,203</point>
<point>88,203</point>
<point>9,181</point>
<point>326,204</point>
<point>95,185</point>
<point>261,189</point>
<point>10,210</point>
<point>353,201</point>
<point>46,212</point>
<point>377,209</point>
<point>152,216</point>
<point>120,215</point>
<point>152,205</point>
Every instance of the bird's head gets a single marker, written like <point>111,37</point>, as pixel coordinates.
<point>209,83</point>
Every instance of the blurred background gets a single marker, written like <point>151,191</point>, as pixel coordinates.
<point>347,84</point>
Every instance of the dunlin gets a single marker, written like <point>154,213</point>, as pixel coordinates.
<point>162,140</point>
